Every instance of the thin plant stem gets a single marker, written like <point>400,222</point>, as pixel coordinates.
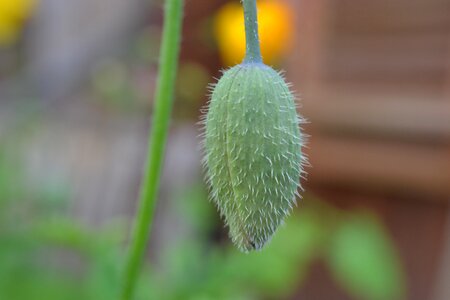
<point>252,50</point>
<point>163,103</point>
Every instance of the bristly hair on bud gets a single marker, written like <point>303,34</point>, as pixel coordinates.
<point>253,146</point>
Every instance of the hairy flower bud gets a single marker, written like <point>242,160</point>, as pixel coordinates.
<point>253,152</point>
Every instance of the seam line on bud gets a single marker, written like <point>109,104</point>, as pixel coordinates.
<point>228,160</point>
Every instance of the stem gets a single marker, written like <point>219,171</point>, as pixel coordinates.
<point>253,51</point>
<point>160,126</point>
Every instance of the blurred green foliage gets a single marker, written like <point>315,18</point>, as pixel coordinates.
<point>45,254</point>
<point>363,259</point>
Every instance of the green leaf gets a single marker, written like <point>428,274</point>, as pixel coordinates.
<point>363,259</point>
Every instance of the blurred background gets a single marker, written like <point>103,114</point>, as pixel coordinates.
<point>76,90</point>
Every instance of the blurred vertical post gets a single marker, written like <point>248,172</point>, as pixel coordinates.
<point>164,93</point>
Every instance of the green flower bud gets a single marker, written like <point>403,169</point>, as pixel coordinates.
<point>253,152</point>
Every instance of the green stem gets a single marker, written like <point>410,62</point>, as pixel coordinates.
<point>252,50</point>
<point>160,126</point>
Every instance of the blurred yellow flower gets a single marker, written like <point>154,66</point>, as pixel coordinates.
<point>13,14</point>
<point>275,30</point>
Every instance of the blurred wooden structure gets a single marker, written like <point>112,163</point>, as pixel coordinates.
<point>377,76</point>
<point>375,82</point>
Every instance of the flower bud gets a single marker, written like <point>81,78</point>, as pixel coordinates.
<point>253,152</point>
